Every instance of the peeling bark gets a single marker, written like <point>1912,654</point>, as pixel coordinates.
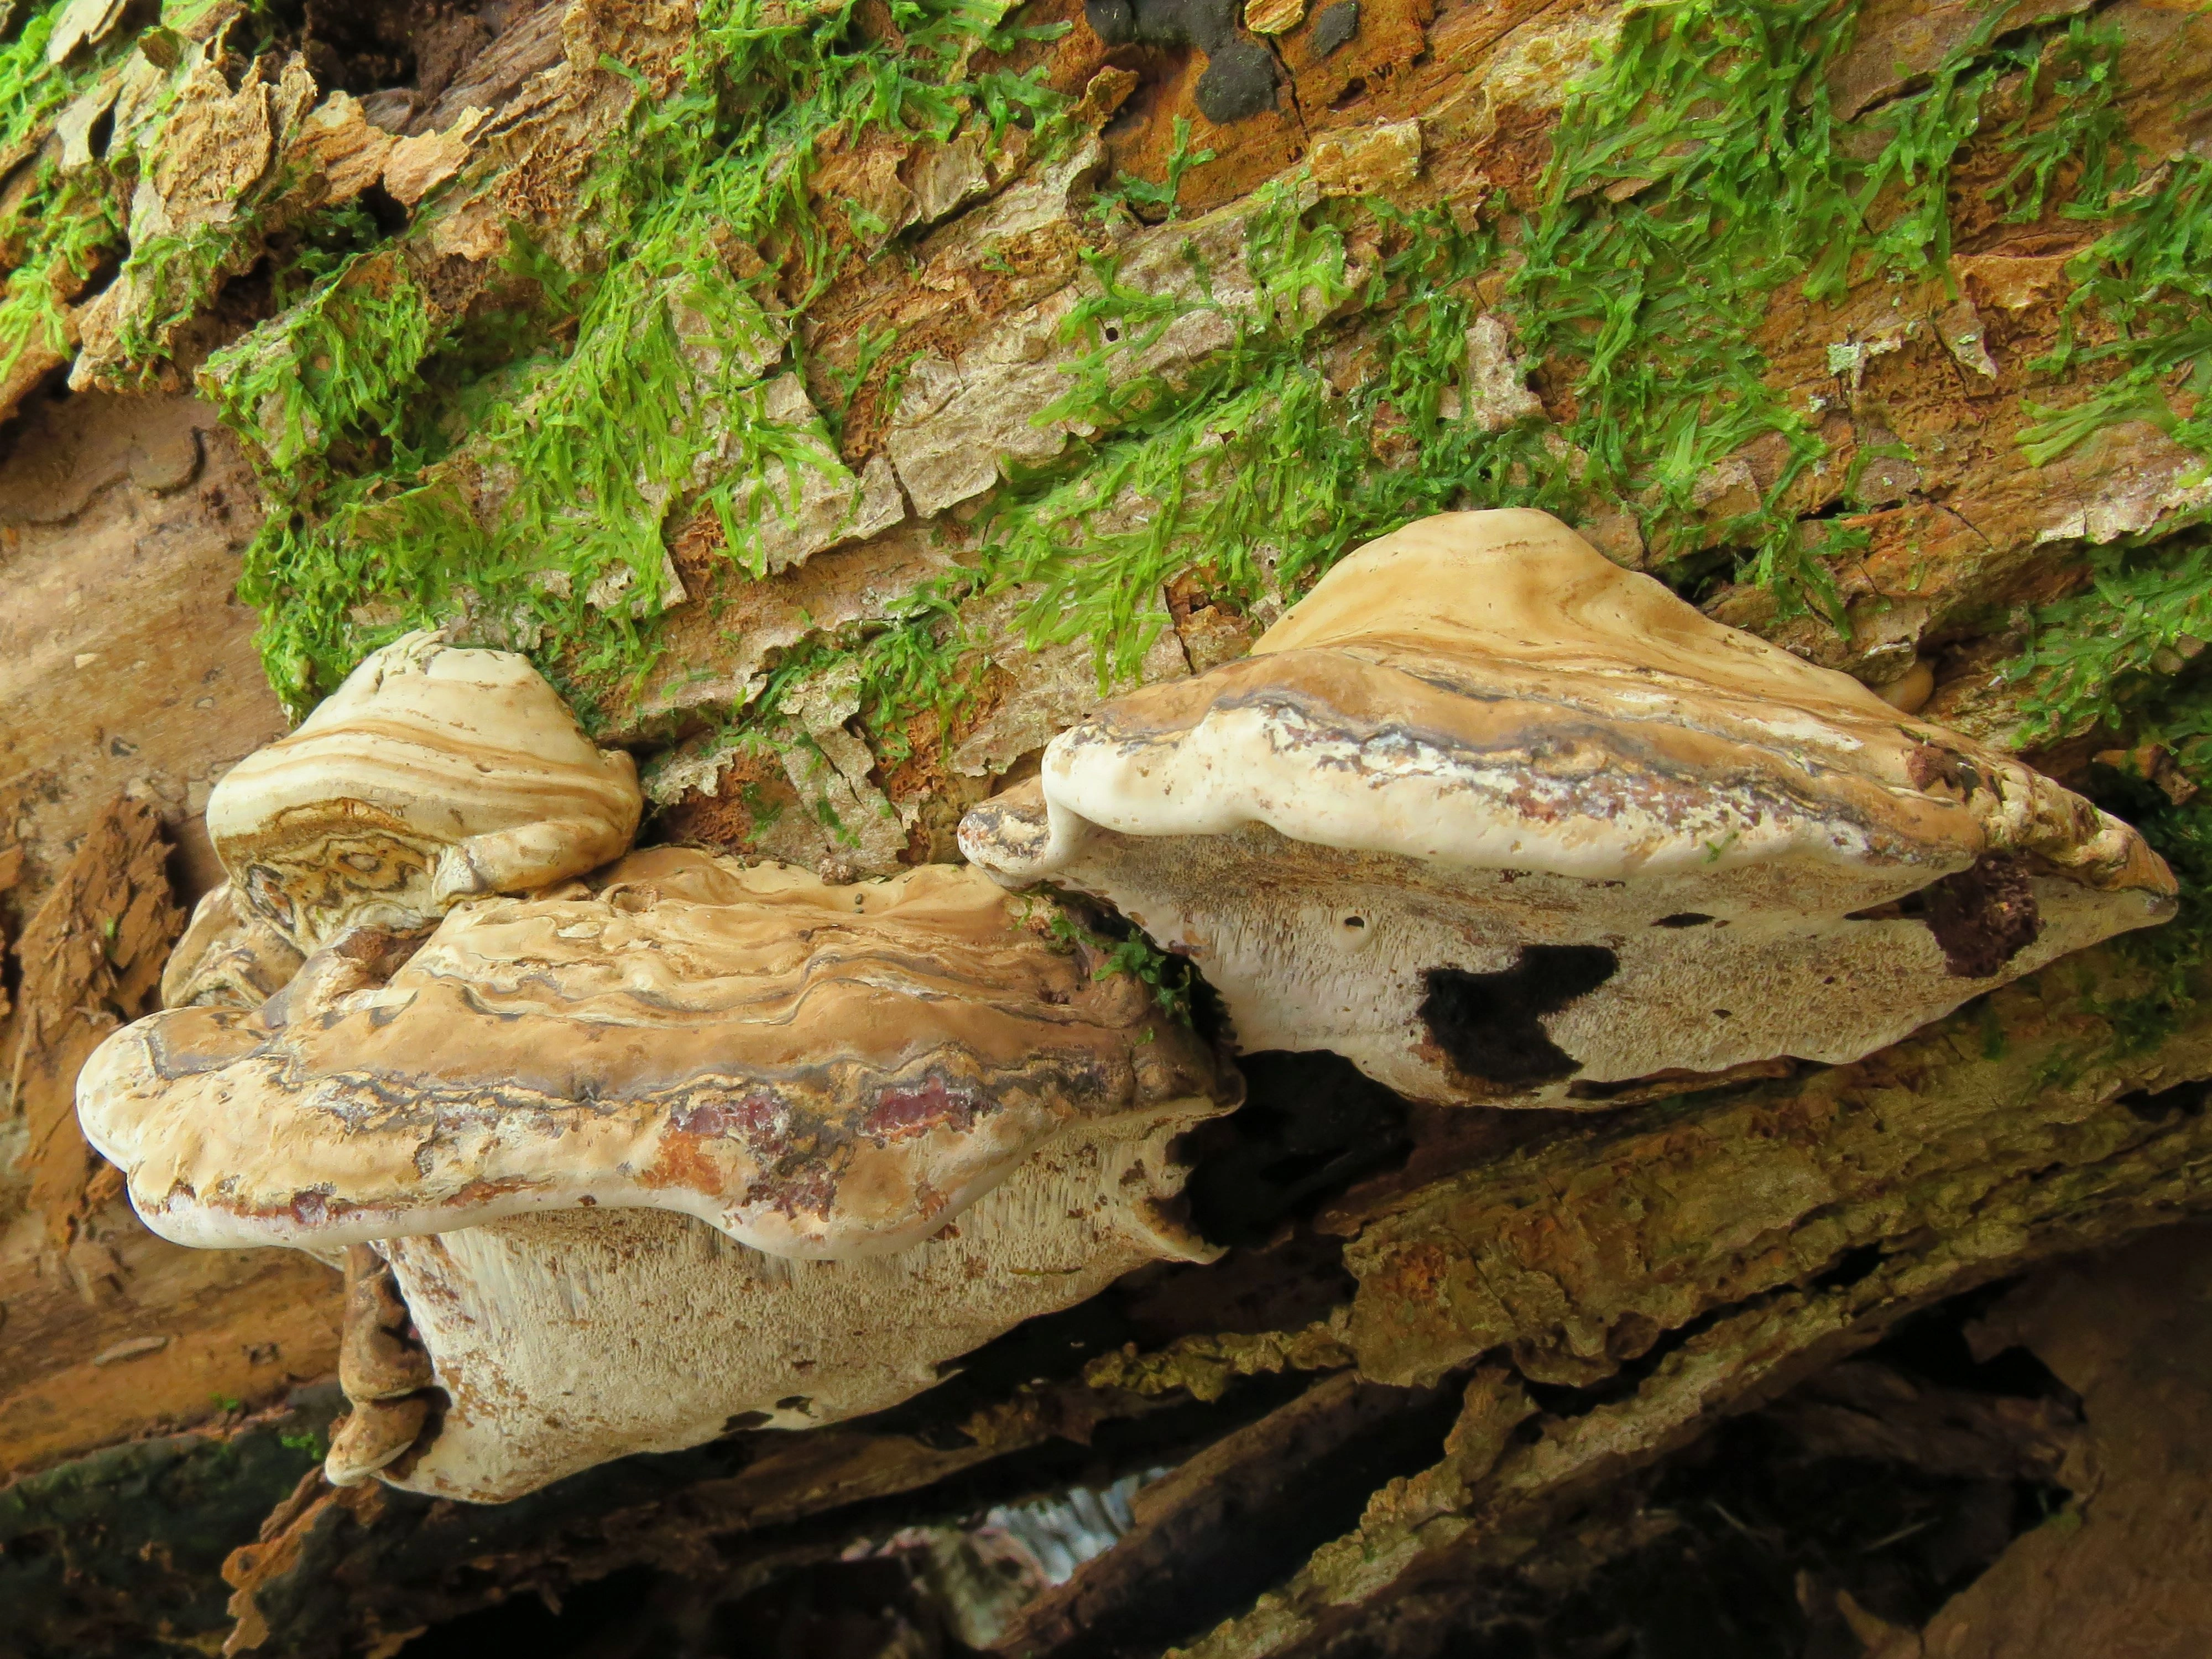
<point>94,952</point>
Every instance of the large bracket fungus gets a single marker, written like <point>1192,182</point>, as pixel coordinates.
<point>435,773</point>
<point>1501,822</point>
<point>682,1142</point>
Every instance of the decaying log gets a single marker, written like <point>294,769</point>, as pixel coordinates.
<point>1463,1375</point>
<point>2126,1571</point>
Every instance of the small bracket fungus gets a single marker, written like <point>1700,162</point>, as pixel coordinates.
<point>1501,822</point>
<point>435,773</point>
<point>230,956</point>
<point>383,1370</point>
<point>574,1091</point>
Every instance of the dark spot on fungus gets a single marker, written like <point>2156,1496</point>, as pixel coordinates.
<point>1240,77</point>
<point>1943,771</point>
<point>901,1113</point>
<point>1488,1025</point>
<point>1683,919</point>
<point>1984,916</point>
<point>1336,26</point>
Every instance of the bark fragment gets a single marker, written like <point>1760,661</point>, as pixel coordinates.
<point>93,957</point>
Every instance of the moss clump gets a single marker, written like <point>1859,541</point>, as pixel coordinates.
<point>422,468</point>
<point>1714,123</point>
<point>1255,470</point>
<point>2125,656</point>
<point>1114,947</point>
<point>515,461</point>
<point>428,464</point>
<point>57,228</point>
<point>2142,308</point>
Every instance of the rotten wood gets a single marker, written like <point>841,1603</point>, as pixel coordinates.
<point>93,957</point>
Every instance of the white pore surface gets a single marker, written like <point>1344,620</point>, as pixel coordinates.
<point>1329,950</point>
<point>566,1339</point>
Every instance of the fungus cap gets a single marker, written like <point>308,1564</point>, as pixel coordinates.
<point>817,1071</point>
<point>435,773</point>
<point>1499,821</point>
<point>230,955</point>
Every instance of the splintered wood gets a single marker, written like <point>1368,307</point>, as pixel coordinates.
<point>92,960</point>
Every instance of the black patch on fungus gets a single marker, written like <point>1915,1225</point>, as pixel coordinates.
<point>1240,77</point>
<point>1489,1024</point>
<point>1333,27</point>
<point>1683,919</point>
<point>1984,916</point>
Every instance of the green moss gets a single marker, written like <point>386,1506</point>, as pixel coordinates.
<point>2122,657</point>
<point>2142,312</point>
<point>1129,193</point>
<point>63,226</point>
<point>67,225</point>
<point>2106,656</point>
<point>502,463</point>
<point>59,228</point>
<point>1123,950</point>
<point>567,468</point>
<point>1714,121</point>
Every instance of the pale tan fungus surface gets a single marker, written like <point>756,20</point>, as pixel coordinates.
<point>435,773</point>
<point>818,1071</point>
<point>917,1120</point>
<point>230,956</point>
<point>1500,820</point>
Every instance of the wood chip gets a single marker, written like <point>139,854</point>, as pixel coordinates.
<point>1274,16</point>
<point>136,1347</point>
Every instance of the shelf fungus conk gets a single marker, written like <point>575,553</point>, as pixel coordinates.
<point>678,1144</point>
<point>1503,822</point>
<point>230,955</point>
<point>435,773</point>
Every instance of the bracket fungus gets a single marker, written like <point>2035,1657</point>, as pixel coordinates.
<point>1501,822</point>
<point>230,955</point>
<point>435,773</point>
<point>680,1142</point>
<point>384,1370</point>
